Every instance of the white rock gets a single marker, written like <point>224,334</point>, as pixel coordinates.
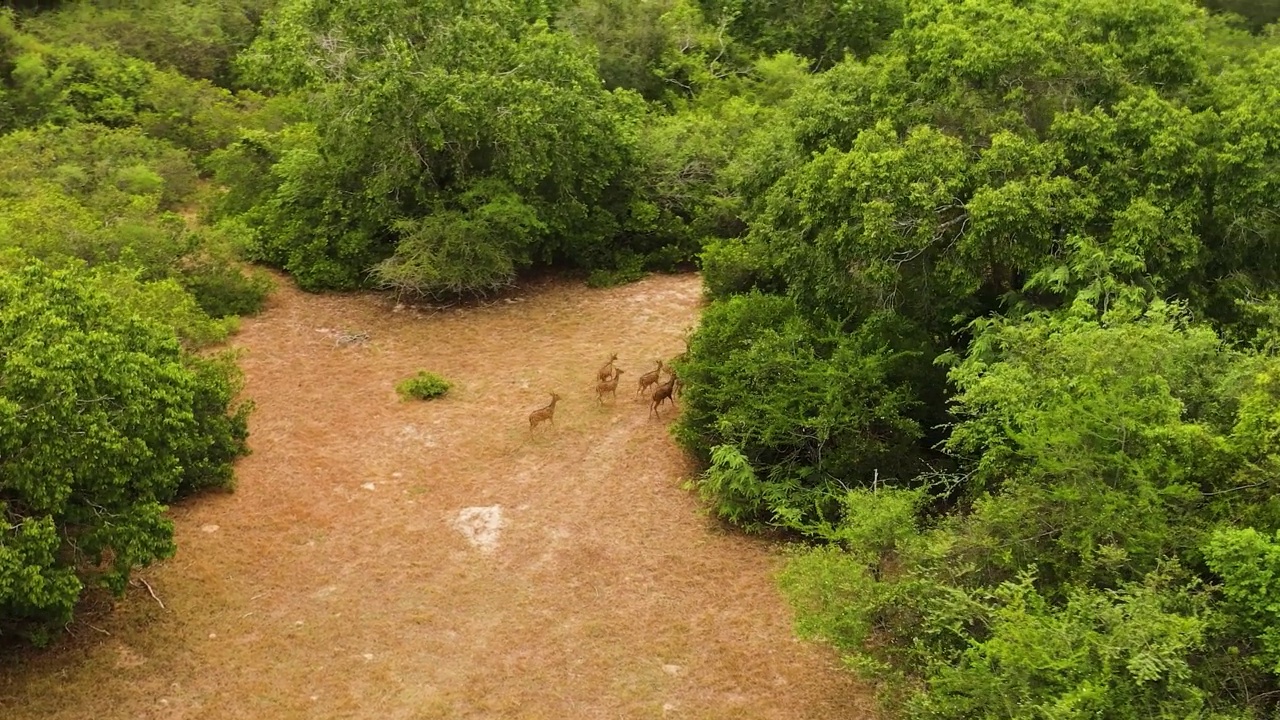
<point>367,486</point>
<point>481,526</point>
<point>210,528</point>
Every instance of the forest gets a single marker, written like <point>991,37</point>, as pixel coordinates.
<point>992,333</point>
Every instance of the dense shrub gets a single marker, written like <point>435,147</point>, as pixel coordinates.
<point>811,408</point>
<point>102,419</point>
<point>42,83</point>
<point>86,194</point>
<point>1107,466</point>
<point>820,30</point>
<point>529,162</point>
<point>735,265</point>
<point>423,386</point>
<point>197,38</point>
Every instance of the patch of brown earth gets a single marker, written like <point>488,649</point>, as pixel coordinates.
<point>387,559</point>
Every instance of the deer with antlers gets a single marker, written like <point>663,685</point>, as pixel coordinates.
<point>607,371</point>
<point>545,414</point>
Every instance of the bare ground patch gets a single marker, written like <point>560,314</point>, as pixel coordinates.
<point>361,570</point>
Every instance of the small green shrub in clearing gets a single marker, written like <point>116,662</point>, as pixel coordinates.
<point>423,386</point>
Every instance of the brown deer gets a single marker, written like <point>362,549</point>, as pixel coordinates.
<point>608,386</point>
<point>606,372</point>
<point>648,379</point>
<point>661,395</point>
<point>547,413</point>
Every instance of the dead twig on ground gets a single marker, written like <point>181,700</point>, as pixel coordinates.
<point>147,585</point>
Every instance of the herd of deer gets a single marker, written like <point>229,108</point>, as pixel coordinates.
<point>607,383</point>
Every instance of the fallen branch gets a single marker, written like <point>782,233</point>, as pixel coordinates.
<point>95,627</point>
<point>147,585</point>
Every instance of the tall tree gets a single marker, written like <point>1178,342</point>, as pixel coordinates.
<point>450,143</point>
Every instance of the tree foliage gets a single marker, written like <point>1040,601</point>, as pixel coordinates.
<point>104,420</point>
<point>108,284</point>
<point>196,38</point>
<point>821,30</point>
<point>1107,464</point>
<point>1008,265</point>
<point>433,122</point>
<point>87,194</point>
<point>816,409</point>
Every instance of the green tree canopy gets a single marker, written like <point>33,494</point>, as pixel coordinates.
<point>431,121</point>
<point>102,420</point>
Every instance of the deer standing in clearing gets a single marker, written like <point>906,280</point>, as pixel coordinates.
<point>547,413</point>
<point>607,371</point>
<point>661,395</point>
<point>608,386</point>
<point>650,378</point>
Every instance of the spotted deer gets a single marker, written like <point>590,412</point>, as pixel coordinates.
<point>608,386</point>
<point>546,414</point>
<point>650,378</point>
<point>661,395</point>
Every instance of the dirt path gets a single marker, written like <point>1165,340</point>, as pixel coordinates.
<point>336,583</point>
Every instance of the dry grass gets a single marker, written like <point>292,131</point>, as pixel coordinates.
<point>608,595</point>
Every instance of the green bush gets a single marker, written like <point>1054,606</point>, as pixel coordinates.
<point>102,419</point>
<point>91,194</point>
<point>423,386</point>
<point>472,171</point>
<point>197,38</point>
<point>216,278</point>
<point>735,265</point>
<point>808,408</point>
<point>1110,547</point>
<point>165,301</point>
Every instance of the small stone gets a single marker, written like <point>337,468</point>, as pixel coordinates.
<point>315,697</point>
<point>367,486</point>
<point>671,669</point>
<point>210,528</point>
<point>298,623</point>
<point>368,656</point>
<point>213,635</point>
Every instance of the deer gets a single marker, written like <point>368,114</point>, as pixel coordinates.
<point>608,386</point>
<point>607,371</point>
<point>648,379</point>
<point>547,413</point>
<point>661,395</point>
